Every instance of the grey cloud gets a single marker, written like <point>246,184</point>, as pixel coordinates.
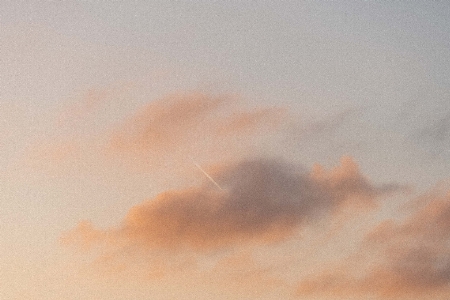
<point>263,200</point>
<point>438,131</point>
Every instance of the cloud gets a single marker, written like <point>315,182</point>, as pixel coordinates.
<point>418,249</point>
<point>440,130</point>
<point>189,120</point>
<point>427,119</point>
<point>331,124</point>
<point>167,123</point>
<point>163,134</point>
<point>245,122</point>
<point>262,201</point>
<point>398,258</point>
<point>322,128</point>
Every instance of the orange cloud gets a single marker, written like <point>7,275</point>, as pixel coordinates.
<point>418,252</point>
<point>263,200</point>
<point>191,124</point>
<point>167,123</point>
<point>165,133</point>
<point>408,258</point>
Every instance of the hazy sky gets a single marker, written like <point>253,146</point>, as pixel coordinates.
<point>224,150</point>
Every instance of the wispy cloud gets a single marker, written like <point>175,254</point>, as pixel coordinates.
<point>329,124</point>
<point>164,133</point>
<point>427,119</point>
<point>247,122</point>
<point>192,123</point>
<point>436,135</point>
<point>167,133</point>
<point>167,123</point>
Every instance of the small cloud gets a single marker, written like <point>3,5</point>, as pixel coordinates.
<point>437,134</point>
<point>244,122</point>
<point>329,124</point>
<point>427,121</point>
<point>166,124</point>
<point>84,235</point>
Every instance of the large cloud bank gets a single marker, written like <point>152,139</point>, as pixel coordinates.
<point>262,200</point>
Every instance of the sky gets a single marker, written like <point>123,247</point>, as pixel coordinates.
<point>224,150</point>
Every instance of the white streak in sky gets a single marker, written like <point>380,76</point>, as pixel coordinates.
<point>207,175</point>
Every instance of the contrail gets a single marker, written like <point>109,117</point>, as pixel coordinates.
<point>207,175</point>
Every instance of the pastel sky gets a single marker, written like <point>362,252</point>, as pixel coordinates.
<point>225,150</point>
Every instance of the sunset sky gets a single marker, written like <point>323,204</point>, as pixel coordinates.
<point>225,150</point>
